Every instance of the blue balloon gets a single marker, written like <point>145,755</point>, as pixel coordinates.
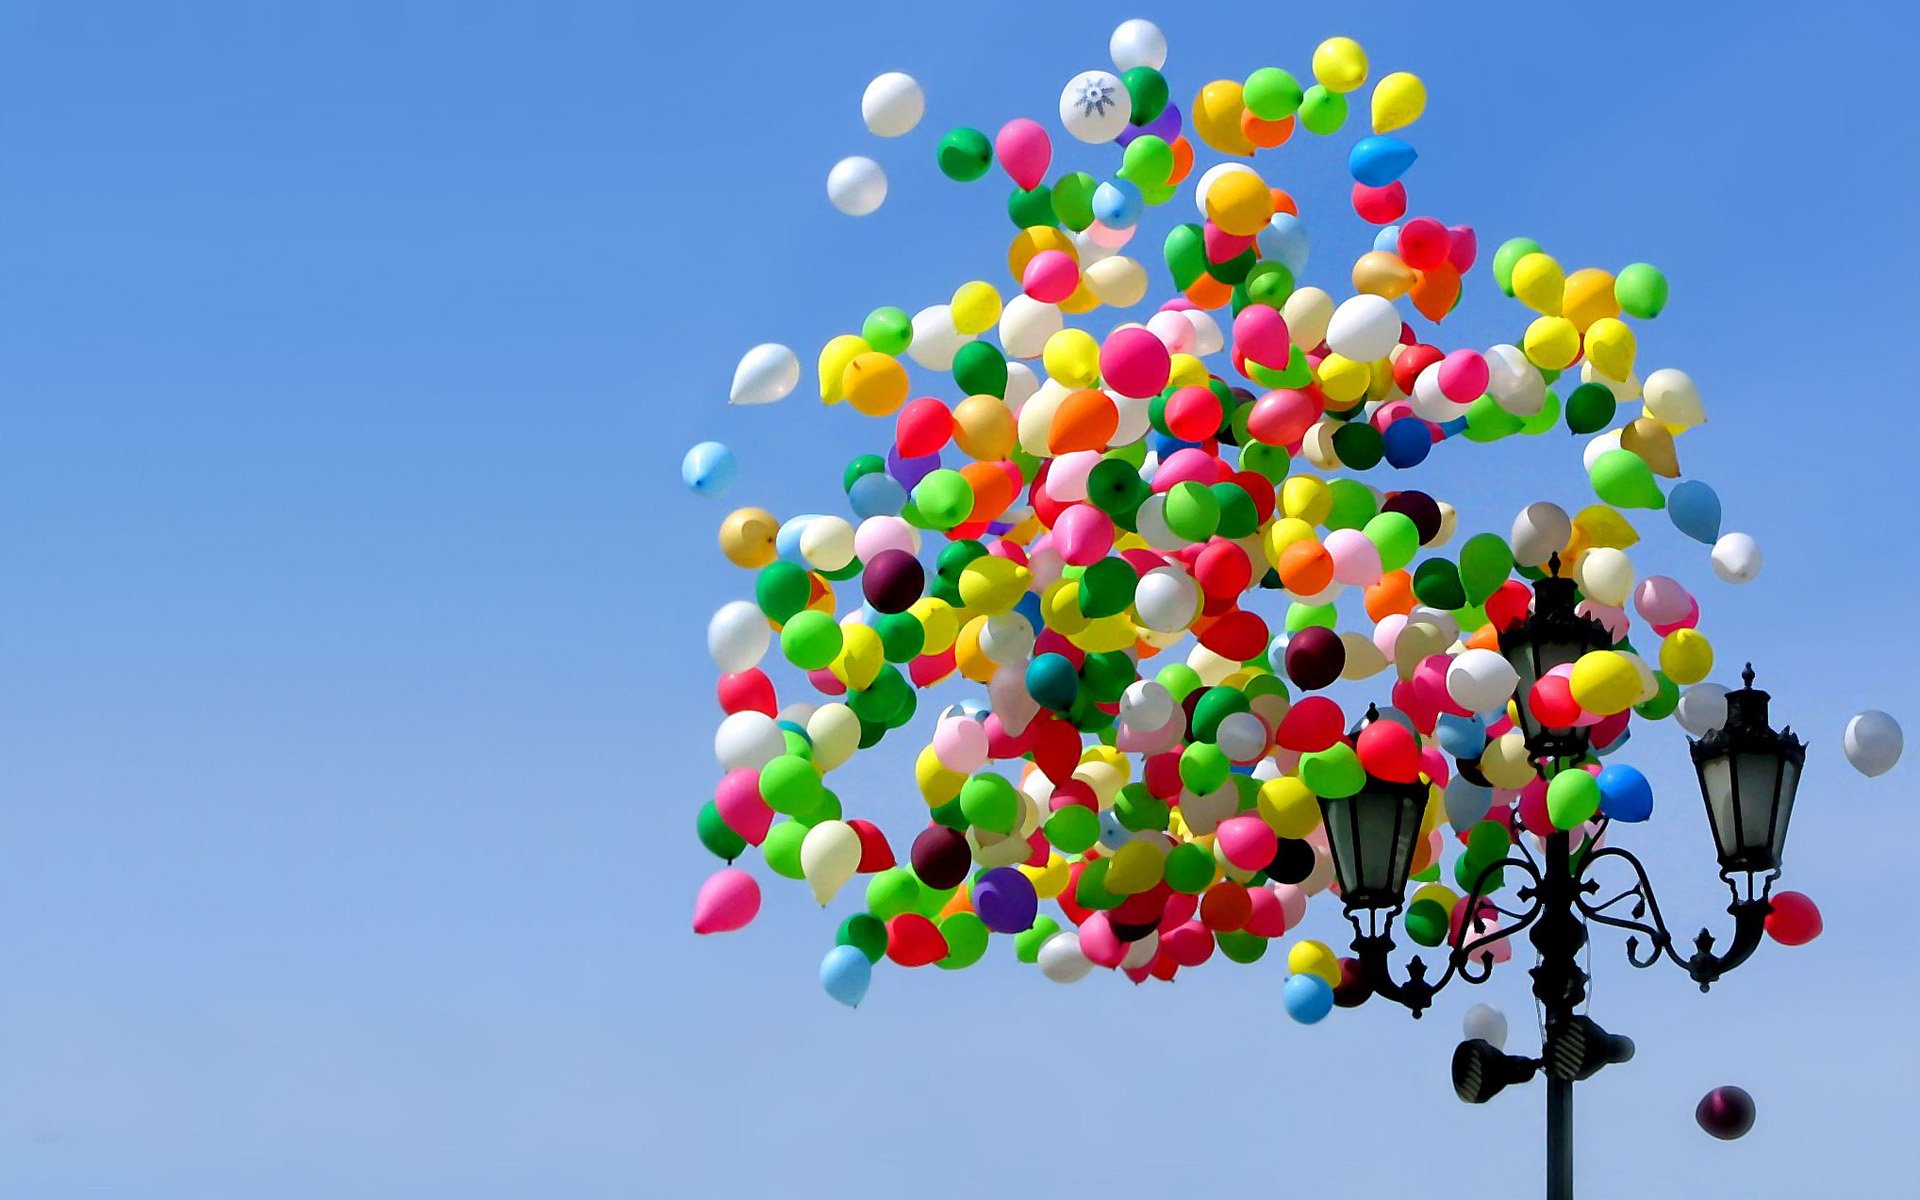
<point>1388,239</point>
<point>1456,426</point>
<point>1113,834</point>
<point>876,495</point>
<point>1379,160</point>
<point>1117,204</point>
<point>708,468</point>
<point>1625,794</point>
<point>845,974</point>
<point>1407,442</point>
<point>1029,607</point>
<point>1308,999</point>
<point>1461,737</point>
<point>1284,241</point>
<point>1695,510</point>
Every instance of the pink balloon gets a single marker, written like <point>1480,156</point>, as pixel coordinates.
<point>738,801</point>
<point>1024,151</point>
<point>1661,599</point>
<point>1247,842</point>
<point>1424,243</point>
<point>1293,902</point>
<point>1356,559</point>
<point>1191,465</point>
<point>1269,919</point>
<point>1463,247</point>
<point>1260,333</point>
<point>1434,764</point>
<point>1083,535</point>
<point>1135,363</point>
<point>1687,620</point>
<point>1188,944</point>
<point>1533,808</point>
<point>727,901</point>
<point>960,743</point>
<point>1463,376</point>
<point>1099,943</point>
<point>1051,276</point>
<point>1067,475</point>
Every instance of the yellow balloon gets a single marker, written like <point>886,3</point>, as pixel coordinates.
<point>1382,273</point>
<point>1340,65</point>
<point>834,731</point>
<point>968,655</point>
<point>1610,347</point>
<point>1083,300</point>
<point>1439,893</point>
<point>861,656</point>
<point>1187,371</point>
<point>1309,957</point>
<point>834,357</point>
<point>1060,608</point>
<point>975,307</point>
<point>1605,682</point>
<point>1398,101</point>
<point>1119,281</point>
<point>1240,203</point>
<point>1306,497</point>
<point>1105,635</point>
<point>1135,867</point>
<point>1072,358</point>
<point>1342,380</point>
<point>875,384</point>
<point>1216,118</point>
<point>1603,526</point>
<point>1686,656</point>
<point>939,621</point>
<point>746,537</point>
<point>1287,805</point>
<point>1031,241</point>
<point>937,784</point>
<point>1539,283</point>
<point>1284,532</point>
<point>1051,880</point>
<point>1505,762</point>
<point>1587,297</point>
<point>1552,343</point>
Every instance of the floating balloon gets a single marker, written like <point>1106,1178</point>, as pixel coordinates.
<point>892,104</point>
<point>1873,743</point>
<point>1726,1113</point>
<point>857,186</point>
<point>708,469</point>
<point>766,373</point>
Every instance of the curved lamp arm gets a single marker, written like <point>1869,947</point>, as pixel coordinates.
<point>1373,940</point>
<point>1643,918</point>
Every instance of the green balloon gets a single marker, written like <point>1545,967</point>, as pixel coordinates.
<point>1488,842</point>
<point>781,848</point>
<point>980,369</point>
<point>716,835</point>
<point>1269,283</point>
<point>1322,110</point>
<point>1436,584</point>
<point>1185,249</point>
<point>1590,408</point>
<point>1030,207</point>
<point>1546,418</point>
<point>902,636</point>
<point>944,497</point>
<point>1488,422</point>
<point>1027,943</point>
<point>893,891</point>
<point>949,815</point>
<point>1471,874</point>
<point>1073,829</point>
<point>1573,797</point>
<point>1091,891</point>
<point>1179,679</point>
<point>790,785</point>
<point>1269,462</point>
<point>1107,674</point>
<point>888,330</point>
<point>1271,94</point>
<point>1215,705</point>
<point>991,802</point>
<point>1140,810</point>
<point>1353,503</point>
<point>1147,88</point>
<point>1073,199</point>
<point>859,468</point>
<point>782,589</point>
<point>1188,868</point>
<point>811,639</point>
<point>965,154</point>
<point>1238,516</point>
<point>1510,252</point>
<point>1332,773</point>
<point>1663,702</point>
<point>1234,270</point>
<point>1106,589</point>
<point>1624,480</point>
<point>852,569</point>
<point>1358,445</point>
<point>1427,922</point>
<point>1192,511</point>
<point>1641,290</point>
<point>1204,767</point>
<point>1147,162</point>
<point>966,937</point>
<point>1396,537</point>
<point>1298,372</point>
<point>1306,616</point>
<point>1485,563</point>
<point>1240,946</point>
<point>865,933</point>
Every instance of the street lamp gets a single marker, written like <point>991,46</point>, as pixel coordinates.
<point>1749,774</point>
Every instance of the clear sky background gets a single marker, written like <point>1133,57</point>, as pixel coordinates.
<point>354,707</point>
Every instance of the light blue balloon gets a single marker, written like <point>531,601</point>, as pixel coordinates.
<point>1467,803</point>
<point>708,468</point>
<point>876,495</point>
<point>1118,204</point>
<point>1625,794</point>
<point>1113,834</point>
<point>786,543</point>
<point>1462,737</point>
<point>1695,510</point>
<point>1284,241</point>
<point>1379,160</point>
<point>845,973</point>
<point>1388,239</point>
<point>1308,999</point>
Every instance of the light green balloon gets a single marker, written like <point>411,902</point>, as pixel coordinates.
<point>967,938</point>
<point>1027,943</point>
<point>810,639</point>
<point>888,330</point>
<point>1624,480</point>
<point>1641,290</point>
<point>1547,419</point>
<point>1271,94</point>
<point>1322,110</point>
<point>1305,616</point>
<point>790,785</point>
<point>782,848</point>
<point>1396,537</point>
<point>890,892</point>
<point>1333,773</point>
<point>1573,797</point>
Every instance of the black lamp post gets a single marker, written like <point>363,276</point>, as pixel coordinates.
<point>1748,776</point>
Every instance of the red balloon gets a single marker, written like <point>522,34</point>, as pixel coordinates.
<point>1551,702</point>
<point>1222,568</point>
<point>748,691</point>
<point>1281,418</point>
<point>1411,361</point>
<point>1241,635</point>
<point>1509,604</point>
<point>1269,916</point>
<point>1795,919</point>
<point>914,941</point>
<point>1313,723</point>
<point>875,854</point>
<point>1226,906</point>
<point>1381,205</point>
<point>1388,750</point>
<point>1424,243</point>
<point>1193,414</point>
<point>922,427</point>
<point>1189,945</point>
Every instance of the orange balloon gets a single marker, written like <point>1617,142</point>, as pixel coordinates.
<point>1265,134</point>
<point>1436,291</point>
<point>992,490</point>
<point>1085,420</point>
<point>1305,567</point>
<point>1182,160</point>
<point>960,902</point>
<point>1208,292</point>
<point>1392,594</point>
<point>1423,854</point>
<point>1283,202</point>
<point>1380,273</point>
<point>1485,638</point>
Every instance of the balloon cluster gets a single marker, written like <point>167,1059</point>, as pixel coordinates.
<point>1149,552</point>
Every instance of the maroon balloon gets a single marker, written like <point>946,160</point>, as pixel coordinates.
<point>1352,990</point>
<point>1419,508</point>
<point>940,857</point>
<point>892,580</point>
<point>1725,1112</point>
<point>1315,657</point>
<point>1005,901</point>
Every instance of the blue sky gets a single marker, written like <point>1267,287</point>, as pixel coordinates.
<point>353,708</point>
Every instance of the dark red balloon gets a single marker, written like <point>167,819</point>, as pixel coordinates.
<point>1315,657</point>
<point>1352,990</point>
<point>1726,1112</point>
<point>875,854</point>
<point>940,857</point>
<point>892,580</point>
<point>1419,508</point>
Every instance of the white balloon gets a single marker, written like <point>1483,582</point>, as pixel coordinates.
<point>766,373</point>
<point>1021,384</point>
<point>1207,338</point>
<point>829,855</point>
<point>1151,523</point>
<point>935,340</point>
<point>1203,814</point>
<point>1308,312</point>
<point>1674,398</point>
<point>1137,43</point>
<point>1487,1023</point>
<point>1515,383</point>
<point>1625,391</point>
<point>856,185</point>
<point>1166,599</point>
<point>738,635</point>
<point>1007,638</point>
<point>892,104</point>
<point>1146,704</point>
<point>748,739</point>
<point>827,543</point>
<point>834,731</point>
<point>1242,737</point>
<point>1539,532</point>
<point>1736,558</point>
<point>1873,742</point>
<point>1429,402</point>
<point>1364,328</point>
<point>1702,709</point>
<point>1095,106</point>
<point>1480,680</point>
<point>1173,329</point>
<point>1061,959</point>
<point>1026,324</point>
<point>1605,575</point>
<point>1140,953</point>
<point>1610,440</point>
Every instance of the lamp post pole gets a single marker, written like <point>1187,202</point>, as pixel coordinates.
<point>1559,984</point>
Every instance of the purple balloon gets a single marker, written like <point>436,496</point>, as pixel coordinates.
<point>892,581</point>
<point>1166,126</point>
<point>1005,901</point>
<point>1725,1112</point>
<point>910,471</point>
